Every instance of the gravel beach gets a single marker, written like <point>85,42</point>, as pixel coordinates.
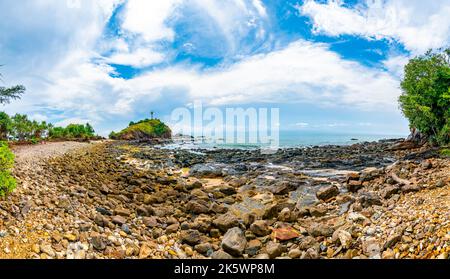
<point>122,200</point>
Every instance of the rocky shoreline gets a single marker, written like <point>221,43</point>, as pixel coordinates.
<point>121,200</point>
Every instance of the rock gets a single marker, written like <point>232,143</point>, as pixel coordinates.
<point>327,193</point>
<point>392,240</point>
<point>371,248</point>
<point>191,237</point>
<point>319,229</point>
<point>316,211</point>
<point>70,237</point>
<point>47,249</point>
<point>172,228</point>
<point>388,191</point>
<point>354,185</point>
<point>262,257</point>
<point>294,253</point>
<point>203,248</point>
<point>35,248</point>
<point>260,228</point>
<point>285,215</point>
<point>344,237</point>
<point>227,190</point>
<point>286,233</point>
<point>98,242</point>
<point>234,242</point>
<point>144,251</point>
<point>369,199</point>
<point>410,188</point>
<point>150,222</point>
<point>118,220</point>
<point>122,212</point>
<point>226,221</point>
<point>221,255</point>
<point>274,249</point>
<point>196,207</point>
<point>253,247</point>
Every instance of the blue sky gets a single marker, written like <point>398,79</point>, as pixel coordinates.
<point>328,65</point>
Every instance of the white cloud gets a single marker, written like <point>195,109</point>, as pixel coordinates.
<point>293,74</point>
<point>139,58</point>
<point>419,25</point>
<point>148,18</point>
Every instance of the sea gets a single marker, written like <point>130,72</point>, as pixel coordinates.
<point>287,139</point>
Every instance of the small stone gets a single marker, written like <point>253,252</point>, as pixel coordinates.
<point>191,237</point>
<point>203,248</point>
<point>234,242</point>
<point>253,247</point>
<point>98,242</point>
<point>260,228</point>
<point>70,237</point>
<point>295,253</point>
<point>274,249</point>
<point>285,215</point>
<point>221,255</point>
<point>35,248</point>
<point>118,220</point>
<point>262,257</point>
<point>226,221</point>
<point>144,251</point>
<point>172,228</point>
<point>47,249</point>
<point>150,222</point>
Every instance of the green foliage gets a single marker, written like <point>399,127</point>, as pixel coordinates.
<point>12,93</point>
<point>445,152</point>
<point>5,125</point>
<point>72,131</point>
<point>426,95</point>
<point>151,128</point>
<point>7,181</point>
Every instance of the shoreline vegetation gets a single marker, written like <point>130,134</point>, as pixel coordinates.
<point>129,198</point>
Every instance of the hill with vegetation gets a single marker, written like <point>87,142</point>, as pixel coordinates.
<point>146,129</point>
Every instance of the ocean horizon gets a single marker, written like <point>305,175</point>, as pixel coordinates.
<point>287,139</point>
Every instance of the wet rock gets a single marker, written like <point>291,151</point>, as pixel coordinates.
<point>172,228</point>
<point>234,242</point>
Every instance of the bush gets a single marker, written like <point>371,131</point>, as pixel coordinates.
<point>7,181</point>
<point>426,95</point>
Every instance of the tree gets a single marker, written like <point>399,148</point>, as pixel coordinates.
<point>425,100</point>
<point>5,125</point>
<point>152,113</point>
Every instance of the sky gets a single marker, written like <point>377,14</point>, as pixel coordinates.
<point>328,65</point>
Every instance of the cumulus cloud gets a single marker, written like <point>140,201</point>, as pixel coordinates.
<point>419,25</point>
